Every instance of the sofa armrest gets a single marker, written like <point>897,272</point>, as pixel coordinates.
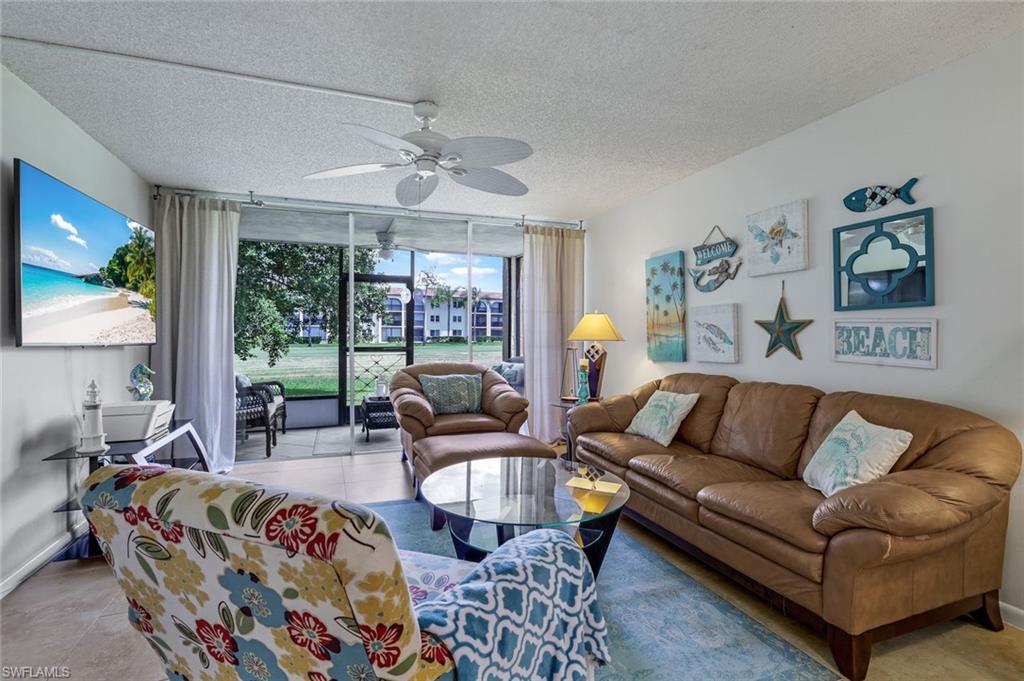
<point>610,415</point>
<point>502,401</point>
<point>907,503</point>
<point>410,404</point>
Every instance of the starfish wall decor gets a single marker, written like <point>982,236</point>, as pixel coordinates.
<point>782,330</point>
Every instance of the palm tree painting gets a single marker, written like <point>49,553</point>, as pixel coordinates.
<point>666,308</point>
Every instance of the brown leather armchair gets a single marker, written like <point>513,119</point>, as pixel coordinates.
<point>502,409</point>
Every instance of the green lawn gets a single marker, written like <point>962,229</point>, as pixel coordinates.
<point>313,369</point>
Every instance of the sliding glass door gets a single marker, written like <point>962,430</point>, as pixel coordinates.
<point>383,327</point>
<point>422,290</point>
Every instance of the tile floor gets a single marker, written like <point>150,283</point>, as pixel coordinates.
<point>73,613</point>
<point>311,442</point>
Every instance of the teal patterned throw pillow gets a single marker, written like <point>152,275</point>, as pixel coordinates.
<point>453,393</point>
<point>660,418</point>
<point>856,451</point>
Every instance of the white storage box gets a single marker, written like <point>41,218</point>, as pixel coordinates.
<point>138,420</point>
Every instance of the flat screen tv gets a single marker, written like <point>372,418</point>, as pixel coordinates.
<point>85,274</point>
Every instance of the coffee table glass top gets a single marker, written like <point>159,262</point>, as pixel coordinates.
<point>524,491</point>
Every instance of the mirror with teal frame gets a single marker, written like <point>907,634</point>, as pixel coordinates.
<point>883,263</point>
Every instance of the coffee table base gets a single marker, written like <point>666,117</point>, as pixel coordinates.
<point>594,536</point>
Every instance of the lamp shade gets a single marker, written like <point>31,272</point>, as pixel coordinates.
<point>595,326</point>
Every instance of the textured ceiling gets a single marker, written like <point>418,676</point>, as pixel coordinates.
<point>617,99</point>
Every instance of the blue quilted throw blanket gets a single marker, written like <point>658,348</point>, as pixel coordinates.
<point>528,611</point>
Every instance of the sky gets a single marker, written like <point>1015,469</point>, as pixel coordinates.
<point>63,229</point>
<point>450,267</point>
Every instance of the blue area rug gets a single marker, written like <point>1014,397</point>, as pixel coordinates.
<point>663,624</point>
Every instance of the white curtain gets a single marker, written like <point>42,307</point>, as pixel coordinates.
<point>197,260</point>
<point>552,305</point>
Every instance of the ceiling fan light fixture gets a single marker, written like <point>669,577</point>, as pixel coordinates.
<point>425,168</point>
<point>386,245</point>
<point>469,161</point>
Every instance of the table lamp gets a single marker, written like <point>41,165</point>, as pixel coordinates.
<point>594,326</point>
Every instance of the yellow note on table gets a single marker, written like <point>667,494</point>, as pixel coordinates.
<point>601,486</point>
<point>591,502</point>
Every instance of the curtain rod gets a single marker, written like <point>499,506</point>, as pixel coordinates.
<point>329,207</point>
<point>244,77</point>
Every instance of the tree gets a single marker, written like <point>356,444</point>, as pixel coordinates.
<point>141,267</point>
<point>133,266</point>
<point>115,273</point>
<point>275,280</point>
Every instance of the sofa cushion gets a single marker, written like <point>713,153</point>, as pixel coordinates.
<point>451,424</point>
<point>783,508</point>
<point>804,563</point>
<point>855,452</point>
<point>274,406</point>
<point>660,418</point>
<point>453,393</point>
<point>661,494</point>
<point>699,426</point>
<point>587,456</point>
<point>765,425</point>
<point>621,447</point>
<point>688,471</point>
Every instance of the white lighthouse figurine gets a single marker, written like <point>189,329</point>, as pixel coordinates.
<point>93,437</point>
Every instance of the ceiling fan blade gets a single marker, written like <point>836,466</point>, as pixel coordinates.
<point>352,170</point>
<point>488,180</point>
<point>384,139</point>
<point>414,190</point>
<point>484,152</point>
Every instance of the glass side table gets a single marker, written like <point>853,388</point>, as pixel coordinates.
<point>565,406</point>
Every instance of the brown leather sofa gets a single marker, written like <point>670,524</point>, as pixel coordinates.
<point>922,544</point>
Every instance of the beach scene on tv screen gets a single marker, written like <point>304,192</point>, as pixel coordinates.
<point>88,273</point>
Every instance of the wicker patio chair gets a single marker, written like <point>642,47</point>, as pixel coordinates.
<point>252,411</point>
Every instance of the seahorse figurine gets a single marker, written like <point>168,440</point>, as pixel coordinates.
<point>141,387</point>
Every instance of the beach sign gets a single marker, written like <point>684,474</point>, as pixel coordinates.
<point>886,342</point>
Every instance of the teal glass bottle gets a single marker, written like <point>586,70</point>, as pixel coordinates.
<point>583,394</point>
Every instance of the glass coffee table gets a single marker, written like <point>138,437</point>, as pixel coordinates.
<point>489,501</point>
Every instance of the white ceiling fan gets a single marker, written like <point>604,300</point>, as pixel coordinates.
<point>468,161</point>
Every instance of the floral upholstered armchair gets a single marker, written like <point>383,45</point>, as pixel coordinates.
<point>232,580</point>
<point>227,579</point>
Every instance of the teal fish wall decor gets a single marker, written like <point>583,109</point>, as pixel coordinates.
<point>873,198</point>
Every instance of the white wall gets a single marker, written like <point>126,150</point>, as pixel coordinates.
<point>959,129</point>
<point>40,388</point>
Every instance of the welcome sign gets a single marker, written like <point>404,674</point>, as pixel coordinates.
<point>886,342</point>
<point>705,253</point>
